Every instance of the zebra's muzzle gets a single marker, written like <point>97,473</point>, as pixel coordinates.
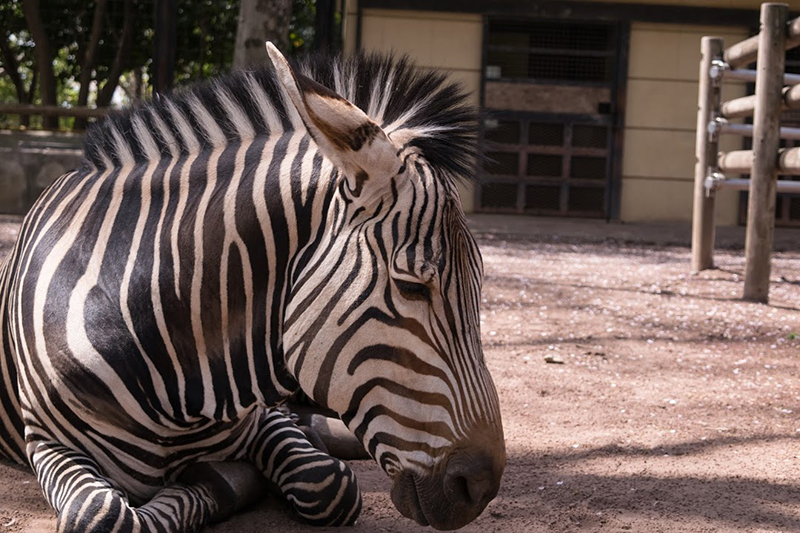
<point>453,497</point>
<point>406,499</point>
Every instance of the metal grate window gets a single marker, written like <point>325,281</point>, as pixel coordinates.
<point>585,199</point>
<point>502,131</point>
<point>551,86</point>
<point>562,165</point>
<point>588,167</point>
<point>499,195</point>
<point>501,163</point>
<point>542,197</point>
<point>545,134</point>
<point>550,51</point>
<point>587,136</point>
<point>550,166</point>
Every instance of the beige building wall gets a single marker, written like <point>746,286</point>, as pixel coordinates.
<point>660,121</point>
<point>661,107</point>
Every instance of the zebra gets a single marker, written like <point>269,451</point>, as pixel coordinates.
<point>278,230</point>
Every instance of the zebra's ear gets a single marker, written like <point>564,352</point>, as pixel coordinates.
<point>344,133</point>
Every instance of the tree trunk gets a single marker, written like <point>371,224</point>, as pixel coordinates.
<point>261,21</point>
<point>87,64</point>
<point>164,44</point>
<point>120,58</point>
<point>44,58</point>
<point>25,120</point>
<point>11,67</point>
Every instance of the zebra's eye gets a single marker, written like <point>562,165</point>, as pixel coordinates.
<point>413,291</point>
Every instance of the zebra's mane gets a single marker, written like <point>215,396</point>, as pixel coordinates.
<point>393,92</point>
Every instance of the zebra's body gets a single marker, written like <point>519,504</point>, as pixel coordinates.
<point>164,296</point>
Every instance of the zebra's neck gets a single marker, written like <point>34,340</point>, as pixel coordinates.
<point>264,218</point>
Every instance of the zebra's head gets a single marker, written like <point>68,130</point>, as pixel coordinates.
<point>382,323</point>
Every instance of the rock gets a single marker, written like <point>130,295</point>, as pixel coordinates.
<point>554,359</point>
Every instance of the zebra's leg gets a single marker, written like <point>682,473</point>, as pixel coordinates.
<point>320,488</point>
<point>86,501</point>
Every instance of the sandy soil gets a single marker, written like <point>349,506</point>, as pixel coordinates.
<point>676,408</point>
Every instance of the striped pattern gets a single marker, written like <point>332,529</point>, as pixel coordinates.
<point>206,262</point>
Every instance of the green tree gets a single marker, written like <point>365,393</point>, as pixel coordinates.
<point>16,56</point>
<point>78,52</point>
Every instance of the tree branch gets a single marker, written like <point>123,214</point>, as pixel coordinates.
<point>87,64</point>
<point>91,50</point>
<point>120,59</point>
<point>11,68</point>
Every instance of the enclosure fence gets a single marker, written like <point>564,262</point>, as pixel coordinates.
<point>775,91</point>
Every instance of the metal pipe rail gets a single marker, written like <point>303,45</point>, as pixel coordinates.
<point>722,71</point>
<point>720,126</point>
<point>715,183</point>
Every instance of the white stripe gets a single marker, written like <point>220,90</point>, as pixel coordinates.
<point>267,108</point>
<point>240,121</point>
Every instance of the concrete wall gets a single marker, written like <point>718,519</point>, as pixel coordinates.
<point>31,161</point>
<point>660,122</point>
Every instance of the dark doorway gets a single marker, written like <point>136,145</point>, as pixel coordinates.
<point>551,94</point>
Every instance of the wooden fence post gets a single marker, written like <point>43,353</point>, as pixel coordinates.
<point>766,141</point>
<point>711,49</point>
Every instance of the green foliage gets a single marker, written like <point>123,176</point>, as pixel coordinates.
<point>205,39</point>
<point>206,34</point>
<point>301,28</point>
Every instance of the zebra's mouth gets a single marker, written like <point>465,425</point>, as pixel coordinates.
<point>406,499</point>
<point>452,495</point>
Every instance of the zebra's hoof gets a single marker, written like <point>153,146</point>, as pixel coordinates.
<point>234,485</point>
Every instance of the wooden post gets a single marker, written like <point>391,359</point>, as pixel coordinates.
<point>708,102</point>
<point>766,141</point>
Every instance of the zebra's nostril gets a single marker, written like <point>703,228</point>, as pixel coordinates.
<point>457,489</point>
<point>470,482</point>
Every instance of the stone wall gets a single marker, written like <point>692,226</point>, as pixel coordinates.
<point>30,161</point>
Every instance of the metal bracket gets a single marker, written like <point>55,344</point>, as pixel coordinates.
<point>712,182</point>
<point>715,128</point>
<point>717,71</point>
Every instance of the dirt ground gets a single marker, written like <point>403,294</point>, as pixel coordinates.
<point>676,408</point>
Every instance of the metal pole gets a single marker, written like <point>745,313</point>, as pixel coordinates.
<point>792,187</point>
<point>766,141</point>
<point>706,153</point>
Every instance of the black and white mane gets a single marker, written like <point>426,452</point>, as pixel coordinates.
<point>395,93</point>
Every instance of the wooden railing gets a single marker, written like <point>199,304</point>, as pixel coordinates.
<point>31,110</point>
<point>52,111</point>
<point>775,91</point>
